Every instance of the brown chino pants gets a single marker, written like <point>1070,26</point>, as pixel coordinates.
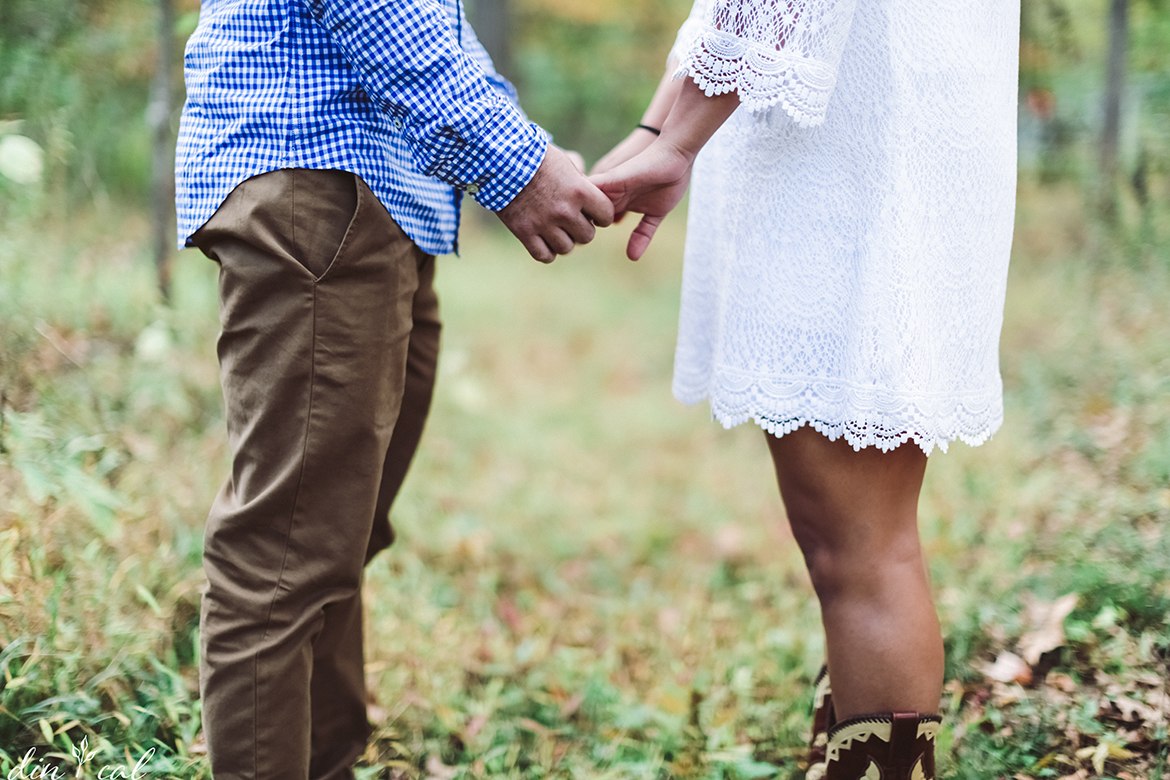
<point>330,335</point>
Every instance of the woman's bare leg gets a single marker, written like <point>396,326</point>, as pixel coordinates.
<point>855,516</point>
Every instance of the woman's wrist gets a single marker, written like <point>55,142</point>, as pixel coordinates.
<point>670,146</point>
<point>695,117</point>
<point>663,100</point>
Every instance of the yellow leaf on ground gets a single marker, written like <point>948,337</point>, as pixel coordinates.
<point>1102,752</point>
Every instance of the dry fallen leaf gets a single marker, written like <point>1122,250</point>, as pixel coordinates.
<point>669,620</point>
<point>376,714</point>
<point>570,706</point>
<point>1009,668</point>
<point>510,615</point>
<point>437,770</point>
<point>1132,707</point>
<point>1003,695</point>
<point>1109,429</point>
<point>730,542</point>
<point>1048,631</point>
<point>1103,751</point>
<point>1160,701</point>
<point>1058,698</point>
<point>199,746</point>
<point>474,725</point>
<point>530,725</point>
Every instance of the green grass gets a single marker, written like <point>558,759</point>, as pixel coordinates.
<point>590,579</point>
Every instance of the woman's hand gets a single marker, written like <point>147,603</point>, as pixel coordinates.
<point>634,144</point>
<point>576,159</point>
<point>651,183</point>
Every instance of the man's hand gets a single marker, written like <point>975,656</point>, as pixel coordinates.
<point>557,209</point>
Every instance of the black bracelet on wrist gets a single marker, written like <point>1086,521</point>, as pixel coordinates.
<point>654,130</point>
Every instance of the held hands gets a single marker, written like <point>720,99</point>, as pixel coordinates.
<point>643,173</point>
<point>653,181</point>
<point>634,144</point>
<point>558,208</point>
<point>650,183</point>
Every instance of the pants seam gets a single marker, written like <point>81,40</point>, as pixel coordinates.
<point>291,523</point>
<point>292,216</point>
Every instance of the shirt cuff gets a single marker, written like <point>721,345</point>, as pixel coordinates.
<point>497,163</point>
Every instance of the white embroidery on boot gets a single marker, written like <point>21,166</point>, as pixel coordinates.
<point>843,738</point>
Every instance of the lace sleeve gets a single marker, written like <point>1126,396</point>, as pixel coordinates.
<point>689,32</point>
<point>771,52</point>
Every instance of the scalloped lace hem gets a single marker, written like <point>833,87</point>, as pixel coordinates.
<point>860,420</point>
<point>720,62</point>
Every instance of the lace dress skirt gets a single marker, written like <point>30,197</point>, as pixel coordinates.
<point>851,275</point>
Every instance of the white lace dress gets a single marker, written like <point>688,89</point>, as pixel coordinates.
<point>850,225</point>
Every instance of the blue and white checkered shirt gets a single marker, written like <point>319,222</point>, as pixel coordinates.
<point>399,92</point>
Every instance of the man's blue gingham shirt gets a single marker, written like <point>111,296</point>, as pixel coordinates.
<point>399,92</point>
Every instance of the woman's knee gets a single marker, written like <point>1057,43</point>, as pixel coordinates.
<point>854,514</point>
<point>824,555</point>
<point>849,553</point>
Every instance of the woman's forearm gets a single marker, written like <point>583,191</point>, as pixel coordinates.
<point>694,117</point>
<point>664,97</point>
<point>653,181</point>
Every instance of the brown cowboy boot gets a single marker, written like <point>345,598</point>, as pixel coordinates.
<point>824,719</point>
<point>887,746</point>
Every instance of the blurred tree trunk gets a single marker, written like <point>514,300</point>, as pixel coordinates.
<point>491,21</point>
<point>1114,87</point>
<point>162,164</point>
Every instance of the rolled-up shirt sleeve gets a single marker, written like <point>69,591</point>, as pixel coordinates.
<point>459,127</point>
<point>469,42</point>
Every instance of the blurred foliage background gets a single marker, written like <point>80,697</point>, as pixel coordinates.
<point>75,76</point>
<point>589,581</point>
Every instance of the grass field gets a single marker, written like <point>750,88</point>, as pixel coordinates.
<point>590,579</point>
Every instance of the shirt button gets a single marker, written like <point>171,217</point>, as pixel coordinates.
<point>472,189</point>
<point>397,124</point>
